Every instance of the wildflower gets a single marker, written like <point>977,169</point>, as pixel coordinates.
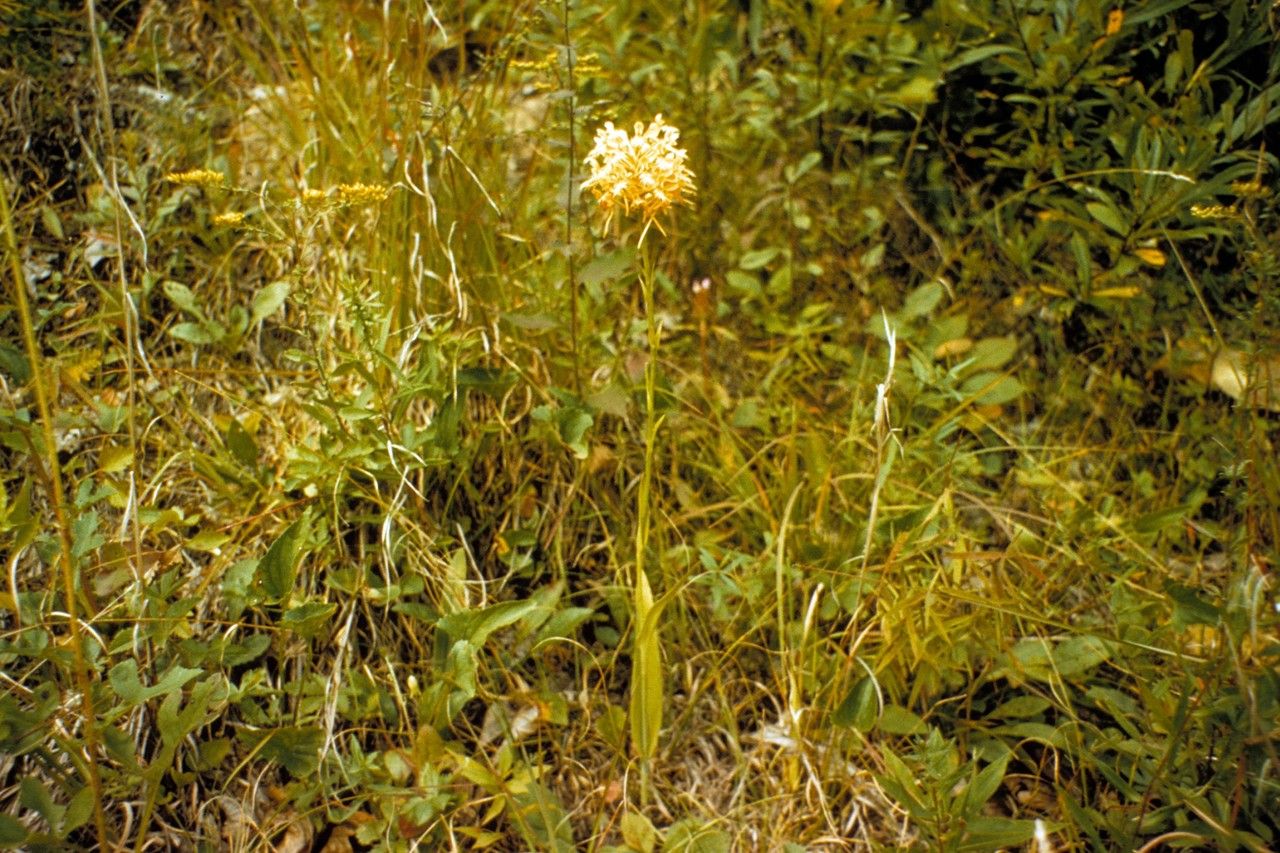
<point>644,171</point>
<point>196,178</point>
<point>1213,211</point>
<point>361,193</point>
<point>313,196</point>
<point>1250,189</point>
<point>230,219</point>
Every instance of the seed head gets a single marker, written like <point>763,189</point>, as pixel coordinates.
<point>645,171</point>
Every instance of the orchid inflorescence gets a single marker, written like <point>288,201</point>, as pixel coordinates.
<point>645,171</point>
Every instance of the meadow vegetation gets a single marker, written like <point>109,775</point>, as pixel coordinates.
<point>913,486</point>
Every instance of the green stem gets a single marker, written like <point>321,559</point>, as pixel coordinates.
<point>651,421</point>
<point>568,214</point>
<point>646,686</point>
<point>58,500</point>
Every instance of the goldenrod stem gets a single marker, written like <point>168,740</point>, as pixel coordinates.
<point>54,478</point>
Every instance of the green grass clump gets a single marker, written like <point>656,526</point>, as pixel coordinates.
<point>914,486</point>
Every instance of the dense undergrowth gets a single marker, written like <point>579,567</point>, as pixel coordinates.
<point>322,414</point>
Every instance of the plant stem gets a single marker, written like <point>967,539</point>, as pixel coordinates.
<point>568,215</point>
<point>646,658</point>
<point>650,421</point>
<point>58,499</point>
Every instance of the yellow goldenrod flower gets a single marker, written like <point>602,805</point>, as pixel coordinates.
<point>230,219</point>
<point>644,171</point>
<point>1214,211</point>
<point>196,178</point>
<point>1250,189</point>
<point>361,193</point>
<point>313,196</point>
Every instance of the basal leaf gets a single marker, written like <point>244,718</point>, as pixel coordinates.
<point>268,300</point>
<point>295,748</point>
<point>860,706</point>
<point>278,568</point>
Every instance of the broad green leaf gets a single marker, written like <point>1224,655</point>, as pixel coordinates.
<point>574,423</point>
<point>193,333</point>
<point>120,746</point>
<point>541,820</point>
<point>14,363</point>
<point>486,380</point>
<point>460,664</point>
<point>114,459</point>
<point>646,673</point>
<point>295,748</point>
<point>995,833</point>
<point>1078,655</point>
<point>747,285</point>
<point>84,534</point>
<point>268,300</point>
<point>638,832</point>
<point>563,623</point>
<point>860,706</point>
<point>241,444</point>
<point>1163,519</point>
<point>983,787</point>
<point>177,719</point>
<point>1048,660</point>
<point>278,568</point>
<point>181,296</point>
<point>693,836</point>
<point>612,399</point>
<point>12,833</point>
<point>978,54</point>
<point>475,626</point>
<point>918,91</point>
<point>900,783</point>
<point>1108,216</point>
<point>612,727</point>
<point>992,389</point>
<point>207,541</point>
<point>129,687</point>
<point>249,649</point>
<point>1020,707</point>
<point>531,322</point>
<point>80,810</point>
<point>32,794</point>
<point>794,172</point>
<point>308,619</point>
<point>919,302</point>
<point>758,259</point>
<point>897,720</point>
<point>606,267</point>
<point>992,353</point>
<point>1189,608</point>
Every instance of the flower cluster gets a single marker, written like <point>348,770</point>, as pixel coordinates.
<point>1250,189</point>
<point>345,195</point>
<point>1214,211</point>
<point>196,178</point>
<point>645,171</point>
<point>361,193</point>
<point>230,219</point>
